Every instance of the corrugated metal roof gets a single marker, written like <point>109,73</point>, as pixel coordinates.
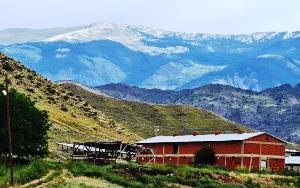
<point>200,138</point>
<point>291,151</point>
<point>292,160</point>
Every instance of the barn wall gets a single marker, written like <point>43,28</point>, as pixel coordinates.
<point>229,154</point>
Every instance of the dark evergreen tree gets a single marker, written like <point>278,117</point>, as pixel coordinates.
<point>205,156</point>
<point>29,127</point>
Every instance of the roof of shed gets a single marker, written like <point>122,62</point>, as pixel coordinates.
<point>292,160</point>
<point>202,138</point>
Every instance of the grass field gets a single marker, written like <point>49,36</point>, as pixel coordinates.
<point>42,173</point>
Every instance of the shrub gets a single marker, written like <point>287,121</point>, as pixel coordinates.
<point>51,90</point>
<point>63,108</point>
<point>6,66</point>
<point>30,77</point>
<point>205,156</point>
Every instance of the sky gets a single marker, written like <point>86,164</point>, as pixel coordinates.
<point>190,16</point>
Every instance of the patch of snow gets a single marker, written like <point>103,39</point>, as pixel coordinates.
<point>271,56</point>
<point>62,53</point>
<point>97,71</point>
<point>60,56</point>
<point>24,53</point>
<point>63,50</point>
<point>124,34</point>
<point>174,74</point>
<point>289,35</point>
<point>293,67</point>
<point>210,49</point>
<point>239,50</point>
<point>239,82</point>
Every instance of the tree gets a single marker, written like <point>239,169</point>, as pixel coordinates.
<point>205,156</point>
<point>29,127</point>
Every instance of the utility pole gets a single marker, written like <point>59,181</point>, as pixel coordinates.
<point>6,94</point>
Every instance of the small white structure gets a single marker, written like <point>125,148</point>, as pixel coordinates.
<point>292,160</point>
<point>292,163</point>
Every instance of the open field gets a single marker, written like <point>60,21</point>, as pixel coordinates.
<point>43,173</point>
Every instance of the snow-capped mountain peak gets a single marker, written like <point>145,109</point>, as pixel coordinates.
<point>131,37</point>
<point>103,53</point>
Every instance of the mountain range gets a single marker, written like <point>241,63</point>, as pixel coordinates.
<point>104,53</point>
<point>78,113</point>
<point>274,110</point>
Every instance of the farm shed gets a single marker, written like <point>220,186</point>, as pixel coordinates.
<point>251,150</point>
<point>102,152</point>
<point>291,152</point>
<point>292,163</point>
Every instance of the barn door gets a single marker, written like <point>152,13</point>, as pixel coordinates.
<point>263,164</point>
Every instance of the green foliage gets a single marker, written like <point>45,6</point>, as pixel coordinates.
<point>249,183</point>
<point>24,173</point>
<point>136,176</point>
<point>29,127</point>
<point>291,173</point>
<point>205,156</point>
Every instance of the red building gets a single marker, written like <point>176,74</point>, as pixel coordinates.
<point>251,150</point>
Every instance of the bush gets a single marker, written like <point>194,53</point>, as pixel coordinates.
<point>205,156</point>
<point>6,66</point>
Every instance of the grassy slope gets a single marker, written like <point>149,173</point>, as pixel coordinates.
<point>73,119</point>
<point>142,118</point>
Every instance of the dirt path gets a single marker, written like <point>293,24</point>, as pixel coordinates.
<point>37,181</point>
<point>91,182</point>
<point>66,179</point>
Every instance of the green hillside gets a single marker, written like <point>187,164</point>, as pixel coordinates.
<point>72,118</point>
<point>143,118</point>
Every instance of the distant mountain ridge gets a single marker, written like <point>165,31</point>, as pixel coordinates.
<point>79,113</point>
<point>274,110</point>
<point>104,53</point>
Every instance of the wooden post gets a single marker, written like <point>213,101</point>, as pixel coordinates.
<point>9,132</point>
<point>250,165</point>
<point>178,152</point>
<point>163,153</point>
<point>242,152</point>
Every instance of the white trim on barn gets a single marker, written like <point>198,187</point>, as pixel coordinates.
<point>203,138</point>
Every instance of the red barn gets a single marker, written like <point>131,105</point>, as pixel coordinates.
<point>251,150</point>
